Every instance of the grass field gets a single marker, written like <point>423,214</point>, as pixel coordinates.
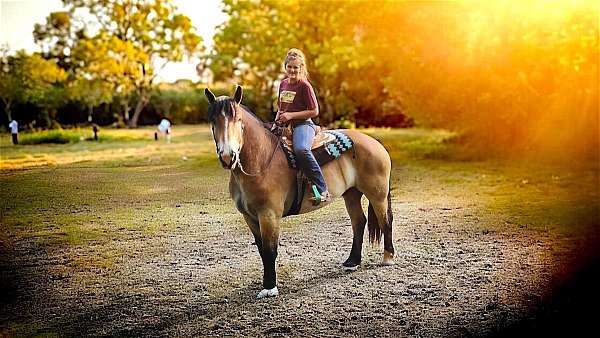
<point>69,185</point>
<point>86,194</point>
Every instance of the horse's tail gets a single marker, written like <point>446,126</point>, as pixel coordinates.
<point>373,224</point>
<point>390,214</point>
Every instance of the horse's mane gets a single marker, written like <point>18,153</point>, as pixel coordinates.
<point>225,104</point>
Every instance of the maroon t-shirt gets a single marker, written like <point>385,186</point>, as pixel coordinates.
<point>297,96</point>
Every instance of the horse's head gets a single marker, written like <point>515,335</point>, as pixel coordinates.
<point>225,117</point>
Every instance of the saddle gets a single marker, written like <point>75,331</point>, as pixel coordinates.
<point>327,146</point>
<point>320,139</point>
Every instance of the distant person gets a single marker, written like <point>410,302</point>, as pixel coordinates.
<point>95,129</point>
<point>14,130</point>
<point>164,127</point>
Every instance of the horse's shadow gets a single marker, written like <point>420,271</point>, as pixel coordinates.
<point>102,320</point>
<point>297,287</point>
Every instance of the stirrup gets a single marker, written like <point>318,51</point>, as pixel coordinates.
<point>319,198</point>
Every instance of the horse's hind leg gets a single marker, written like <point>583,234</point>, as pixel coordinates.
<point>357,218</point>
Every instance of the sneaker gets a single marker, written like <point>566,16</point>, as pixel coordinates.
<point>325,197</point>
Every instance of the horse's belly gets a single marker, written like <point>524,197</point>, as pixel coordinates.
<point>340,175</point>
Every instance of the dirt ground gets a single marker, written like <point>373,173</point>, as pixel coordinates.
<point>455,275</point>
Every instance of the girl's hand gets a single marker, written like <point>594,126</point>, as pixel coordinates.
<point>284,118</point>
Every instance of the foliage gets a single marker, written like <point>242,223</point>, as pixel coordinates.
<point>10,82</point>
<point>186,103</point>
<point>31,79</point>
<point>63,136</point>
<point>120,42</point>
<point>58,36</point>
<point>506,76</point>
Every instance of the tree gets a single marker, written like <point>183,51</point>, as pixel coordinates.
<point>251,45</point>
<point>151,31</point>
<point>31,79</point>
<point>90,92</point>
<point>58,36</point>
<point>11,89</point>
<point>107,68</point>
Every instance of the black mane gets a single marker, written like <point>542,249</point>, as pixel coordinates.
<point>222,103</point>
<point>225,103</point>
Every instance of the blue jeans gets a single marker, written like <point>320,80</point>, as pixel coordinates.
<point>304,134</point>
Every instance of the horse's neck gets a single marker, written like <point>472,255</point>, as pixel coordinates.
<point>258,145</point>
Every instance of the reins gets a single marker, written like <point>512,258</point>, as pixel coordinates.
<point>238,161</point>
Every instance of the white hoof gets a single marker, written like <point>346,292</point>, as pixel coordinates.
<point>350,268</point>
<point>388,259</point>
<point>268,293</point>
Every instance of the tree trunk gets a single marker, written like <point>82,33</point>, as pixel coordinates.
<point>138,110</point>
<point>126,108</point>
<point>7,109</point>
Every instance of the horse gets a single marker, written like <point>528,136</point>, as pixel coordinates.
<point>263,186</point>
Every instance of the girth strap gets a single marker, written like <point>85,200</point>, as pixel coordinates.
<point>301,182</point>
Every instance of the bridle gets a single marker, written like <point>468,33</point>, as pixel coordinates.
<point>237,161</point>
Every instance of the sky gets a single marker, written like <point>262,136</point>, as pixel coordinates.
<point>17,18</point>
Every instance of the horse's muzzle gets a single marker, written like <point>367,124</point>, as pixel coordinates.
<point>226,159</point>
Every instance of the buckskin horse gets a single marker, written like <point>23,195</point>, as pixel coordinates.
<point>263,186</point>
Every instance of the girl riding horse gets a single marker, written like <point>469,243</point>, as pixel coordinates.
<point>297,103</point>
<point>263,186</point>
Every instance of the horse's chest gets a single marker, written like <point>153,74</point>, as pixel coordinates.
<point>241,200</point>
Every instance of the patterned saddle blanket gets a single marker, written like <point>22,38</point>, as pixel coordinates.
<point>327,146</point>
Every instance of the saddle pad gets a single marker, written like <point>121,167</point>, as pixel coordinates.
<point>336,143</point>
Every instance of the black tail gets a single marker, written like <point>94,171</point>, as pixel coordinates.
<point>390,214</point>
<point>373,224</point>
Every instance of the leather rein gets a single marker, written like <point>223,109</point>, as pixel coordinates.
<point>237,162</point>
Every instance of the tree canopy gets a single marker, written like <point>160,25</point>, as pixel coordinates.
<point>30,78</point>
<point>121,42</point>
<point>502,74</point>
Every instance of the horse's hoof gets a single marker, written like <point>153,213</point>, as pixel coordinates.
<point>268,293</point>
<point>388,259</point>
<point>350,266</point>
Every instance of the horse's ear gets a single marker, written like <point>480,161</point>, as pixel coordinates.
<point>209,95</point>
<point>238,95</point>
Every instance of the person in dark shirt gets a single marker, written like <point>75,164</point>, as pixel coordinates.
<point>297,104</point>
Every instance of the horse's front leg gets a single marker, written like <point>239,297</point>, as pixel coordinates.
<point>269,234</point>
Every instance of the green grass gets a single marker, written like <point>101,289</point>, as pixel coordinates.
<point>415,143</point>
<point>76,193</point>
<point>50,136</point>
<point>63,136</point>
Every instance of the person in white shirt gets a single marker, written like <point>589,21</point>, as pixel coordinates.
<point>14,130</point>
<point>164,127</point>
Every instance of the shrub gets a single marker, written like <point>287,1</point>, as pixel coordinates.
<point>58,136</point>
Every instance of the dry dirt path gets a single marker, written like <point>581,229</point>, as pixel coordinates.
<point>459,272</point>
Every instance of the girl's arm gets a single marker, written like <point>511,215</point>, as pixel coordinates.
<point>297,115</point>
